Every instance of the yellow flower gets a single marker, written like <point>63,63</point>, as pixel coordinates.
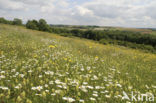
<point>70,60</point>
<point>96,57</point>
<point>46,54</point>
<point>35,55</point>
<point>90,47</point>
<point>1,52</point>
<point>65,59</point>
<point>51,46</point>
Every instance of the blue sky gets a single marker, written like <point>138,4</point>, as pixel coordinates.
<point>124,13</point>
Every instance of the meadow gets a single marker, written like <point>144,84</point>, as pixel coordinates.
<point>40,67</point>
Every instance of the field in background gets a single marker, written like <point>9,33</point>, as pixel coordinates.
<point>140,30</point>
<point>40,67</point>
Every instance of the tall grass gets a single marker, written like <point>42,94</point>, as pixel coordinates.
<point>38,67</point>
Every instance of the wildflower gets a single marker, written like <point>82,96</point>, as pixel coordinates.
<point>2,76</point>
<point>82,69</point>
<point>154,86</point>
<point>107,96</point>
<point>57,82</point>
<point>69,99</point>
<point>119,85</point>
<point>46,85</point>
<point>88,68</point>
<point>95,77</point>
<point>97,87</point>
<point>90,87</point>
<point>39,88</point>
<point>130,87</point>
<point>65,59</point>
<point>40,76</point>
<point>95,92</point>
<point>70,60</point>
<point>47,91</point>
<point>90,47</point>
<point>4,88</point>
<point>51,82</point>
<point>21,75</point>
<point>33,88</point>
<point>85,83</point>
<point>104,91</point>
<point>53,94</point>
<point>147,86</point>
<point>60,86</point>
<point>81,100</point>
<point>49,72</point>
<point>35,55</point>
<point>51,46</point>
<point>2,71</point>
<point>13,70</point>
<point>17,87</point>
<point>93,99</point>
<point>30,71</point>
<point>38,94</point>
<point>96,58</point>
<point>58,91</point>
<point>96,95</point>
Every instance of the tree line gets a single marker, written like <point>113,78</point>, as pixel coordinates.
<point>125,38</point>
<point>16,21</point>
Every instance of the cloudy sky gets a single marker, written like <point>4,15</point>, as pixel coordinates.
<point>125,13</point>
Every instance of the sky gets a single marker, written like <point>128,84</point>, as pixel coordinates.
<point>121,13</point>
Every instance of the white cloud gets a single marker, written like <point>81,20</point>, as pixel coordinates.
<point>10,5</point>
<point>130,13</point>
<point>84,11</point>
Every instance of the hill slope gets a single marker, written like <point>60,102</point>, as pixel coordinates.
<point>39,67</point>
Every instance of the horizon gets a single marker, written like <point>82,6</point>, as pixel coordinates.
<point>105,26</point>
<point>112,13</point>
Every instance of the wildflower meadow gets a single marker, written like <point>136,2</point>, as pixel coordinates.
<point>40,67</point>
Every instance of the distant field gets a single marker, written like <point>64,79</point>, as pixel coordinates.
<point>40,67</point>
<point>144,31</point>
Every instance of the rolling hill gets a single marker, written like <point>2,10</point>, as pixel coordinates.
<point>41,67</point>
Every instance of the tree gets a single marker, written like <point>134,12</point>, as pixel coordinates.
<point>2,20</point>
<point>35,22</point>
<point>43,25</point>
<point>32,24</point>
<point>17,21</point>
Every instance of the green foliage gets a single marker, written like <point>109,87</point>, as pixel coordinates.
<point>125,38</point>
<point>128,44</point>
<point>66,34</point>
<point>4,21</point>
<point>38,25</point>
<point>43,25</point>
<point>32,24</point>
<point>17,21</point>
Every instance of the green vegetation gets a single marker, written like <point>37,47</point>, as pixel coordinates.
<point>129,38</point>
<point>40,67</point>
<point>16,21</point>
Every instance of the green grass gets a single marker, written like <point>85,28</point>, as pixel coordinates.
<point>39,67</point>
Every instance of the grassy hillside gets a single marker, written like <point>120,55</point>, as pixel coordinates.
<point>143,39</point>
<point>39,67</point>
